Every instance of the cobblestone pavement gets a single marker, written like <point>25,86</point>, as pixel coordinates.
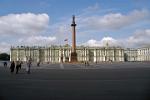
<point>104,81</point>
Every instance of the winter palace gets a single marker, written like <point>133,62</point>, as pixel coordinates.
<point>57,54</point>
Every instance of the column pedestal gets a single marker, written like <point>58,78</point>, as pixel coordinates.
<point>73,57</point>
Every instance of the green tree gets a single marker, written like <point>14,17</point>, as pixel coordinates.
<point>4,56</point>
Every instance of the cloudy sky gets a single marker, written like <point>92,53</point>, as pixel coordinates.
<point>123,23</point>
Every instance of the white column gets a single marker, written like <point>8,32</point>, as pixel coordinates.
<point>50,55</point>
<point>95,55</point>
<point>45,56</point>
<point>59,55</point>
<point>10,54</point>
<point>17,54</point>
<point>69,55</point>
<point>38,54</point>
<point>85,55</point>
<point>63,55</point>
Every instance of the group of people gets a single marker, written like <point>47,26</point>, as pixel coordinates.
<point>17,65</point>
<point>86,63</point>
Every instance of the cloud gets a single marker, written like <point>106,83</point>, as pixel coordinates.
<point>140,38</point>
<point>23,24</point>
<point>37,40</point>
<point>103,42</point>
<point>92,8</point>
<point>4,47</point>
<point>113,21</point>
<point>28,41</point>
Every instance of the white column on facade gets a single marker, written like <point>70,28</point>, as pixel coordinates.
<point>50,55</point>
<point>38,54</point>
<point>26,51</point>
<point>144,54</point>
<point>32,54</point>
<point>29,53</point>
<point>88,55</point>
<point>47,55</point>
<point>114,56</point>
<point>10,54</point>
<point>95,55</point>
<point>105,55</point>
<point>59,55</point>
<point>139,55</point>
<point>17,54</point>
<point>119,55</point>
<point>101,55</point>
<point>148,54</point>
<point>69,55</point>
<point>44,55</point>
<point>122,54</point>
<point>85,55</point>
<point>26,54</point>
<point>81,55</point>
<point>63,55</point>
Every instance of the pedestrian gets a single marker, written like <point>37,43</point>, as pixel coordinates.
<point>85,63</point>
<point>12,66</point>
<point>88,63</point>
<point>38,63</point>
<point>5,64</point>
<point>17,67</point>
<point>20,63</point>
<point>28,66</point>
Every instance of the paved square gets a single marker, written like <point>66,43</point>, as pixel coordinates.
<point>105,81</point>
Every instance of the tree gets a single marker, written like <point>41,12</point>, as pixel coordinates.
<point>4,56</point>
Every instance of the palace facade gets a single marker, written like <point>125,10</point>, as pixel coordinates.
<point>56,54</point>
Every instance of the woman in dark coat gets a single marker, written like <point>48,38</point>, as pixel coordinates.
<point>12,66</point>
<point>17,67</point>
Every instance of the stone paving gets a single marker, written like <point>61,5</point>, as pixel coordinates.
<point>103,81</point>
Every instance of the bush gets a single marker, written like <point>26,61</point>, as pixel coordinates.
<point>4,56</point>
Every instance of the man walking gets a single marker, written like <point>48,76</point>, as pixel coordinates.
<point>17,67</point>
<point>28,66</point>
<point>12,66</point>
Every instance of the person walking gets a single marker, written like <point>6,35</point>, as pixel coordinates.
<point>28,66</point>
<point>17,67</point>
<point>5,64</point>
<point>85,63</point>
<point>38,63</point>
<point>12,66</point>
<point>20,63</point>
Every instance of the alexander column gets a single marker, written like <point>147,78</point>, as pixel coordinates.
<point>73,53</point>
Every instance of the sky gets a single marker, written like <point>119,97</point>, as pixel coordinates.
<point>124,23</point>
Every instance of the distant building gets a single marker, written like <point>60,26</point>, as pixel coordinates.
<point>56,54</point>
<point>130,54</point>
<point>143,54</point>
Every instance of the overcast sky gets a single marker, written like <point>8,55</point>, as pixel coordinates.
<point>123,23</point>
